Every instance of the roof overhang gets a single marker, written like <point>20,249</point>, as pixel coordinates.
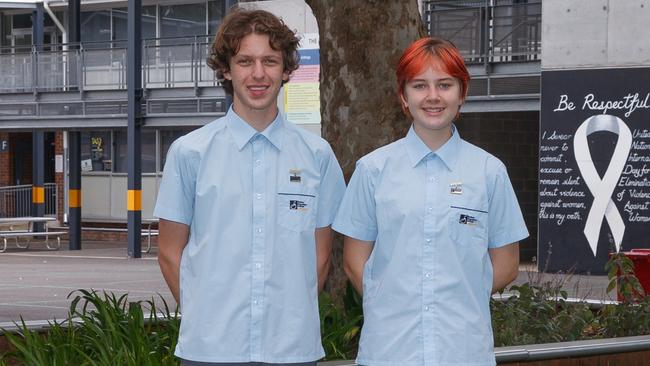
<point>19,4</point>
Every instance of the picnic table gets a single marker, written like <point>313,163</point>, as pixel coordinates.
<point>23,228</point>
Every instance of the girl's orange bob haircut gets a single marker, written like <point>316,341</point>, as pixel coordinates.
<point>431,52</point>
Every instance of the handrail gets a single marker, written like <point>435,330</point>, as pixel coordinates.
<point>514,29</point>
<point>100,65</point>
<point>593,347</point>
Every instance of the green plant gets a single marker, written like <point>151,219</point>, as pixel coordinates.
<point>341,325</point>
<point>105,329</point>
<point>632,315</point>
<point>620,272</point>
<point>101,330</point>
<point>538,314</point>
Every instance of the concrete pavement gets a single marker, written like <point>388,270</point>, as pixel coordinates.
<point>35,283</point>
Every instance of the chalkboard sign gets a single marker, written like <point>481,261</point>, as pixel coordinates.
<point>594,167</point>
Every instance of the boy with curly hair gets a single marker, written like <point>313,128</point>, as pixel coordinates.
<point>245,207</point>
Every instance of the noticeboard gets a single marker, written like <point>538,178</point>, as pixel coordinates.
<point>594,167</point>
<point>302,92</point>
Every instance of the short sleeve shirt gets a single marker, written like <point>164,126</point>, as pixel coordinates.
<point>248,276</point>
<point>432,217</point>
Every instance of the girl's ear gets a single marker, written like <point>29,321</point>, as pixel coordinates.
<point>405,103</point>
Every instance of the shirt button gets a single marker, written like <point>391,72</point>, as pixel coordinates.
<point>428,241</point>
<point>427,275</point>
<point>255,302</point>
<point>259,230</point>
<point>426,308</point>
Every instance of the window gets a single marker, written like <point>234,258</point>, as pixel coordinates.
<point>216,12</point>
<point>106,151</point>
<point>148,22</point>
<point>5,31</point>
<point>166,140</point>
<point>182,20</point>
<point>96,151</point>
<point>95,27</point>
<point>147,149</point>
<point>22,21</point>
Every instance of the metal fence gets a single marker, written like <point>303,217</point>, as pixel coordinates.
<point>16,201</point>
<point>488,30</point>
<point>167,63</point>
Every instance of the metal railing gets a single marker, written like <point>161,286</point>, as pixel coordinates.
<point>488,31</point>
<point>16,201</point>
<point>167,63</point>
<point>179,61</point>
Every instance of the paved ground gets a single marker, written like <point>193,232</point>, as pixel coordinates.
<point>35,283</point>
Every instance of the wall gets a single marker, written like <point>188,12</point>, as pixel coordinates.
<point>591,49</point>
<point>594,33</point>
<point>58,177</point>
<point>512,137</point>
<point>104,196</point>
<point>6,159</point>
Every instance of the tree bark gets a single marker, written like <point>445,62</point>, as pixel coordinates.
<point>360,44</point>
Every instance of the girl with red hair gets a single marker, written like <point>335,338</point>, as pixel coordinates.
<point>431,226</point>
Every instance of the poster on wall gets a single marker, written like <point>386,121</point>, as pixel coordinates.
<point>594,167</point>
<point>302,93</point>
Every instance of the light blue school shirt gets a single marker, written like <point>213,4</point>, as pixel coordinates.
<point>248,277</point>
<point>432,217</point>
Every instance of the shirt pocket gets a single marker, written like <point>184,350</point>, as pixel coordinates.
<point>297,208</point>
<point>468,225</point>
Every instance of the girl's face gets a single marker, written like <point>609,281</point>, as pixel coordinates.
<point>433,98</point>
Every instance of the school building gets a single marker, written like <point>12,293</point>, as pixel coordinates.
<point>56,88</point>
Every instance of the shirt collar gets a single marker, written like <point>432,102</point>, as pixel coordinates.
<point>418,150</point>
<point>242,132</point>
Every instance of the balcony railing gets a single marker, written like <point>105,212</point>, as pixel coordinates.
<point>166,63</point>
<point>487,31</point>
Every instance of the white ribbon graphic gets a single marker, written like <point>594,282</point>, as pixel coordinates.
<point>603,205</point>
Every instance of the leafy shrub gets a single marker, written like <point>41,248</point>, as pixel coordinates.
<point>538,314</point>
<point>340,325</point>
<point>102,330</point>
<point>106,330</point>
<point>632,315</point>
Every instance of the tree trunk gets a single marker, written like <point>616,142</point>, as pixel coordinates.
<point>360,44</point>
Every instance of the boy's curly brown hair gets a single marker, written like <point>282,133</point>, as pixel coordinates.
<point>238,24</point>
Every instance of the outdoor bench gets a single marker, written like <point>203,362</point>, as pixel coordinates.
<point>17,234</point>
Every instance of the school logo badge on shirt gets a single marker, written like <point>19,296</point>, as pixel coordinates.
<point>467,219</point>
<point>456,188</point>
<point>297,205</point>
<point>294,175</point>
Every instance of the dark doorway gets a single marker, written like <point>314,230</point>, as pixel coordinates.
<point>23,161</point>
<point>22,146</point>
<point>49,157</point>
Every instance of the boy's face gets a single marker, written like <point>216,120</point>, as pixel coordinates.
<point>256,72</point>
